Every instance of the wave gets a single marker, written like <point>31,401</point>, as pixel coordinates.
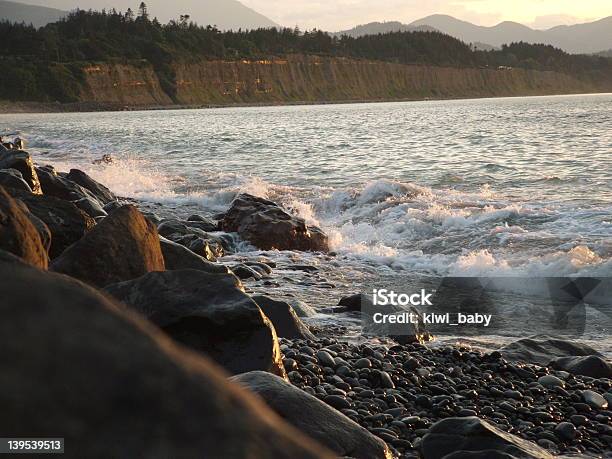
<point>395,225</point>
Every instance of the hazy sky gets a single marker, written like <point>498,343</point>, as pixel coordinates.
<point>342,14</point>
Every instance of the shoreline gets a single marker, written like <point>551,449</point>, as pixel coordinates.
<point>13,108</point>
<point>368,400</point>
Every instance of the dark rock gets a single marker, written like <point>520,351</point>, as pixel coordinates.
<point>245,272</point>
<point>203,223</point>
<point>58,186</point>
<point>75,346</point>
<point>594,400</point>
<point>178,257</point>
<point>209,313</point>
<point>18,235</point>
<point>12,178</point>
<point>592,366</point>
<point>315,418</point>
<point>91,207</point>
<point>286,322</point>
<point>21,161</point>
<point>542,349</point>
<point>550,381</point>
<point>102,194</point>
<point>354,302</point>
<point>65,221</point>
<point>198,241</point>
<point>267,226</point>
<point>122,247</point>
<point>112,206</point>
<point>566,430</point>
<point>473,435</point>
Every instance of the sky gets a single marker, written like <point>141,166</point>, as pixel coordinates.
<point>336,15</point>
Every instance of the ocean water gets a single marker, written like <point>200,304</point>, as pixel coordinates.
<point>515,187</point>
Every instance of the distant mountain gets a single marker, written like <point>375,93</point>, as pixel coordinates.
<point>374,28</point>
<point>30,14</point>
<point>225,14</point>
<point>588,38</point>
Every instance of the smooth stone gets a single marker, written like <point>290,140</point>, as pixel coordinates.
<point>18,235</point>
<point>542,349</point>
<point>566,430</point>
<point>102,193</point>
<point>473,435</point>
<point>123,246</point>
<point>551,381</point>
<point>594,400</point>
<point>177,257</point>
<point>12,178</point>
<point>286,322</point>
<point>209,313</point>
<point>22,162</point>
<point>592,366</point>
<point>315,418</point>
<point>363,363</point>
<point>325,358</point>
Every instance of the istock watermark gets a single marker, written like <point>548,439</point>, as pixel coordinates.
<point>476,306</point>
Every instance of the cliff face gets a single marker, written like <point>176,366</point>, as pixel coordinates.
<point>122,84</point>
<point>312,79</point>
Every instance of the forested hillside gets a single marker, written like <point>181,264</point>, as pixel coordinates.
<point>47,64</point>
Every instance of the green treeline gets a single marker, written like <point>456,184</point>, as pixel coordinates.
<point>44,64</point>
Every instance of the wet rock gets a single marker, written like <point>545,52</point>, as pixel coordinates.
<point>209,313</point>
<point>267,226</point>
<point>551,381</point>
<point>198,241</point>
<point>122,247</point>
<point>102,194</point>
<point>65,221</point>
<point>78,347</point>
<point>91,207</point>
<point>286,322</point>
<point>58,186</point>
<point>473,435</point>
<point>592,366</point>
<point>12,178</point>
<point>203,223</point>
<point>302,309</point>
<point>22,161</point>
<point>245,272</point>
<point>566,431</point>
<point>542,349</point>
<point>354,302</point>
<point>315,418</point>
<point>594,400</point>
<point>18,235</point>
<point>178,257</point>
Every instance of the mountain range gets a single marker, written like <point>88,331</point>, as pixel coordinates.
<point>588,38</point>
<point>591,37</point>
<point>30,14</point>
<point>225,14</point>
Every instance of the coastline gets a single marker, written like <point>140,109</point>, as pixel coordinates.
<point>23,107</point>
<point>387,399</point>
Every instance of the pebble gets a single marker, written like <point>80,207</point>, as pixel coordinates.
<point>594,400</point>
<point>363,363</point>
<point>566,430</point>
<point>551,381</point>
<point>326,359</point>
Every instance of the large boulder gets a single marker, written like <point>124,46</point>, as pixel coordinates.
<point>461,437</point>
<point>315,418</point>
<point>21,161</point>
<point>542,349</point>
<point>43,230</point>
<point>267,226</point>
<point>178,257</point>
<point>12,178</point>
<point>286,322</point>
<point>103,194</point>
<point>123,246</point>
<point>65,221</point>
<point>18,235</point>
<point>592,366</point>
<point>209,313</point>
<point>74,365</point>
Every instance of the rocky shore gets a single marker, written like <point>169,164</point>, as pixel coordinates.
<point>134,335</point>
